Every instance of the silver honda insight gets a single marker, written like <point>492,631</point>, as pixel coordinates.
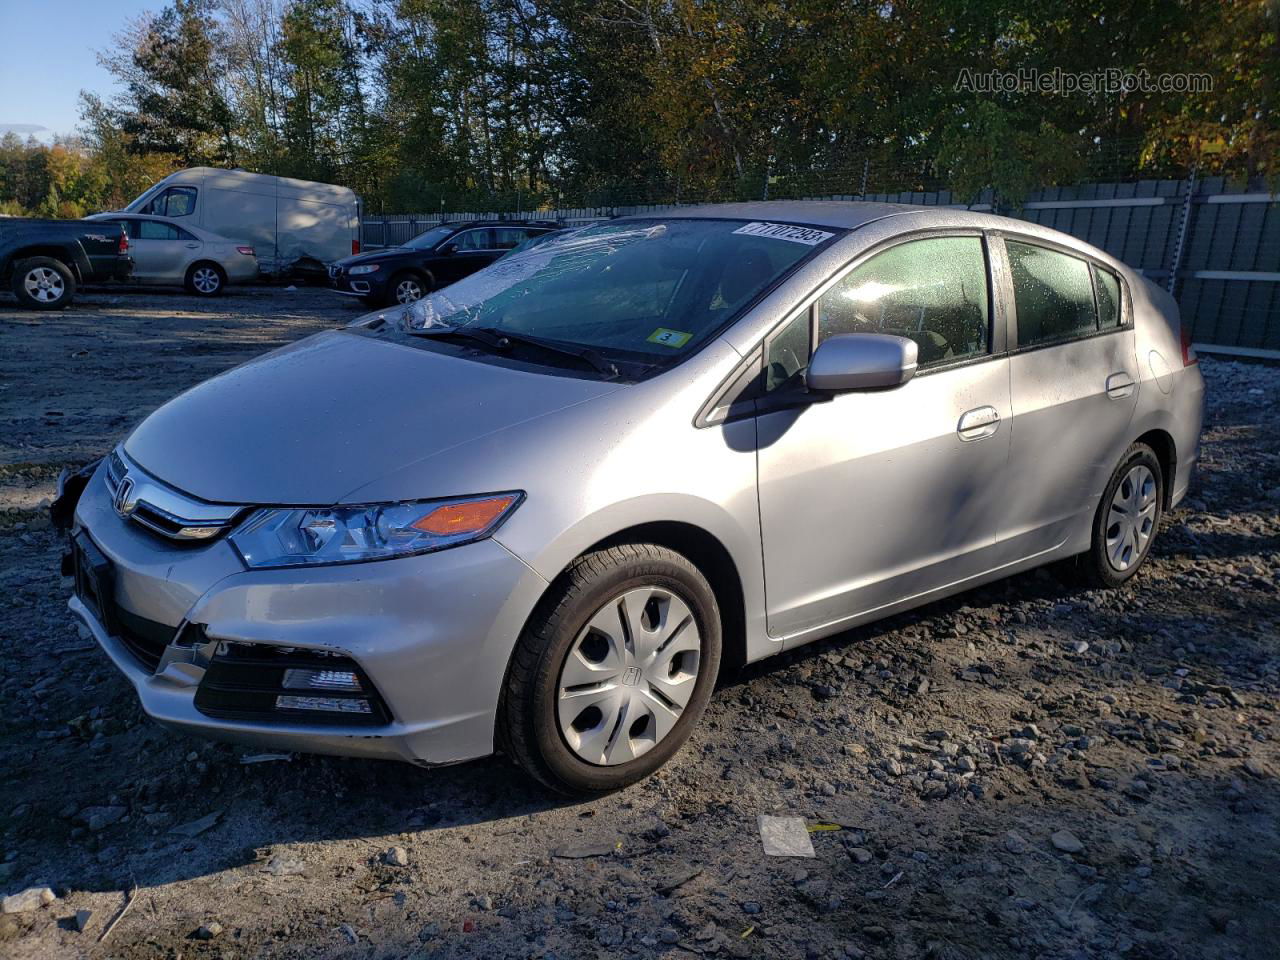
<point>537,510</point>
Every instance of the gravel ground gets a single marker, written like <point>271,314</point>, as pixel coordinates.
<point>1030,770</point>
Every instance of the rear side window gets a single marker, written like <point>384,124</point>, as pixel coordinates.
<point>1052,295</point>
<point>508,237</point>
<point>155,230</point>
<point>1108,286</point>
<point>932,290</point>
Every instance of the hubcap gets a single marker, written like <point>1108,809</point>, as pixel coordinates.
<point>407,291</point>
<point>628,676</point>
<point>206,280</point>
<point>44,285</point>
<point>1132,518</point>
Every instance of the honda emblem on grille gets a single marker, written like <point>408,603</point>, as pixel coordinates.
<point>123,501</point>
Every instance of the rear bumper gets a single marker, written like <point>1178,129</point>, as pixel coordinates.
<point>109,268</point>
<point>241,269</point>
<point>1188,409</point>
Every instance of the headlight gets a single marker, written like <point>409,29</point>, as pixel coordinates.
<point>364,268</point>
<point>305,536</point>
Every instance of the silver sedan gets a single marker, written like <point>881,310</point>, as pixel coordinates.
<point>537,510</point>
<point>167,252</point>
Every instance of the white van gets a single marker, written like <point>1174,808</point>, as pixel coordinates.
<point>291,224</point>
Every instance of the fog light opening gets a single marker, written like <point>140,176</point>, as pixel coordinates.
<point>323,704</point>
<point>298,678</point>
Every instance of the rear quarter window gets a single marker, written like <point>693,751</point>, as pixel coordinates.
<point>1107,284</point>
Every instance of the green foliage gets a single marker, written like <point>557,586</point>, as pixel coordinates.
<point>497,104</point>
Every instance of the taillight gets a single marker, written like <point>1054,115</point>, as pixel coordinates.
<point>247,251</point>
<point>123,248</point>
<point>355,247</point>
<point>1188,352</point>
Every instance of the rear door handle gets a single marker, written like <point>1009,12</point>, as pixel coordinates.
<point>978,423</point>
<point>1120,385</point>
<point>192,246</point>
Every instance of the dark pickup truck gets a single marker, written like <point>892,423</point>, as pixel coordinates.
<point>43,261</point>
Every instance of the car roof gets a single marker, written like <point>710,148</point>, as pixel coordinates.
<point>199,231</point>
<point>841,214</point>
<point>852,214</point>
<point>466,224</point>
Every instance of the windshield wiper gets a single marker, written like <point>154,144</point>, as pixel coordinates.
<point>503,340</point>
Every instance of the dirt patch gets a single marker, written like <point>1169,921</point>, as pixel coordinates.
<point>1030,770</point>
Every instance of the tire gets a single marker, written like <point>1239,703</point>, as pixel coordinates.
<point>43,283</point>
<point>403,284</point>
<point>635,728</point>
<point>1127,519</point>
<point>205,279</point>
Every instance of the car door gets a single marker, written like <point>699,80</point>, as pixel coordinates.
<point>159,251</point>
<point>472,250</point>
<point>872,497</point>
<point>1074,387</point>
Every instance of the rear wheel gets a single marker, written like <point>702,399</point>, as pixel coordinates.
<point>1128,516</point>
<point>205,279</point>
<point>43,283</point>
<point>614,670</point>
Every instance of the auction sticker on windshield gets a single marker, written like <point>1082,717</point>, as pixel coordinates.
<point>785,231</point>
<point>669,338</point>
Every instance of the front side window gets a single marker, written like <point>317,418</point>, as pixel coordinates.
<point>1052,295</point>
<point>641,290</point>
<point>174,202</point>
<point>474,240</point>
<point>932,290</point>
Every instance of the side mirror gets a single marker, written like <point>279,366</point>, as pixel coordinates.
<point>861,361</point>
<point>449,249</point>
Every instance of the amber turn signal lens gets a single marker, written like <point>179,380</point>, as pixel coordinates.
<point>469,517</point>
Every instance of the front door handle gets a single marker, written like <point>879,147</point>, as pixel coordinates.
<point>192,246</point>
<point>1120,385</point>
<point>978,423</point>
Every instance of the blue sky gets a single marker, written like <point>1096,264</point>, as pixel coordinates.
<point>48,54</point>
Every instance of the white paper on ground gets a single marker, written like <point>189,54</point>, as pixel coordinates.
<point>785,837</point>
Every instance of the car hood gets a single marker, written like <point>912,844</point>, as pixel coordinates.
<point>313,422</point>
<point>374,256</point>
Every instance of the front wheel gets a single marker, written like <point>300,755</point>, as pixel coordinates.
<point>406,288</point>
<point>613,671</point>
<point>43,283</point>
<point>205,280</point>
<point>1128,516</point>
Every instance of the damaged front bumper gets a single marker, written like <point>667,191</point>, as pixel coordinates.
<point>422,641</point>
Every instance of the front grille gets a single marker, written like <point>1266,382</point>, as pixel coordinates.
<point>244,680</point>
<point>115,471</point>
<point>197,522</point>
<point>335,270</point>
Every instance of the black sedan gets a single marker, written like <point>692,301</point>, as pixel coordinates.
<point>429,261</point>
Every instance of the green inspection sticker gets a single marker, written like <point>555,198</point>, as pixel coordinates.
<point>669,338</point>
